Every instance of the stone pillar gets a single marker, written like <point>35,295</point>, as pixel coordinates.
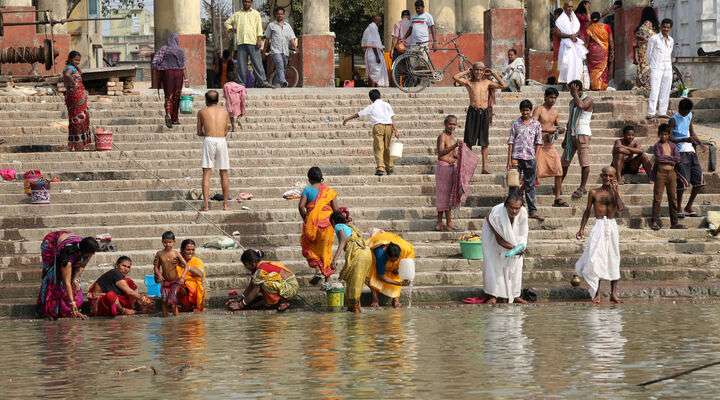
<point>539,52</point>
<point>16,3</point>
<point>472,15</point>
<point>393,9</point>
<point>504,28</point>
<point>183,17</point>
<point>626,21</point>
<point>443,11</point>
<point>58,10</point>
<point>318,45</point>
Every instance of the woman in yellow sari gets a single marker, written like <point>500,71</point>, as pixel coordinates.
<point>388,251</point>
<point>358,258</point>
<point>192,295</point>
<point>316,205</point>
<point>272,280</point>
<point>601,52</point>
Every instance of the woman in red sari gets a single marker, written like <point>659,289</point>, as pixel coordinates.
<point>114,293</point>
<point>169,62</point>
<point>316,205</point>
<point>76,100</point>
<point>600,52</point>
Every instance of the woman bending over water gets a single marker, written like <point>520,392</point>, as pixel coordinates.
<point>272,280</point>
<point>389,250</point>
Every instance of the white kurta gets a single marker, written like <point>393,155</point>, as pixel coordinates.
<point>514,74</point>
<point>503,275</point>
<point>371,42</point>
<point>601,258</point>
<point>571,54</point>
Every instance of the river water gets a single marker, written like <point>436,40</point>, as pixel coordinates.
<point>466,352</point>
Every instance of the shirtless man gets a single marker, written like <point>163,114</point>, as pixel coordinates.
<point>628,156</point>
<point>549,163</point>
<point>213,123</point>
<point>601,258</point>
<point>479,114</point>
<point>165,268</point>
<point>444,171</point>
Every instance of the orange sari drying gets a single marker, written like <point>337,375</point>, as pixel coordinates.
<point>317,232</point>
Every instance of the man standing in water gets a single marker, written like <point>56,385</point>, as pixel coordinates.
<point>601,258</point>
<point>213,123</point>
<point>479,113</point>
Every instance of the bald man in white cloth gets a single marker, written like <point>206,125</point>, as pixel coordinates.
<point>572,51</point>
<point>374,54</point>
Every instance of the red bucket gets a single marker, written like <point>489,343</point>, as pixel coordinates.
<point>103,140</point>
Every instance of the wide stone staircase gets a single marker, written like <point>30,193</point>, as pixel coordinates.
<point>284,133</point>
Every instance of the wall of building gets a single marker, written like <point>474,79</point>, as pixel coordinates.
<point>695,24</point>
<point>86,36</point>
<point>131,39</point>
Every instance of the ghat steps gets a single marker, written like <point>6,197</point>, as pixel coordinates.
<point>284,133</point>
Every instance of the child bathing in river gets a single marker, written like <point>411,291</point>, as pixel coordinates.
<point>165,267</point>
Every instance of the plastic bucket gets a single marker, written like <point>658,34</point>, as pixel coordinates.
<point>186,104</point>
<point>153,288</point>
<point>407,269</point>
<point>103,140</point>
<point>335,298</point>
<point>472,250</point>
<point>396,150</point>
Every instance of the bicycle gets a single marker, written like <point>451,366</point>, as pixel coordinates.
<point>292,76</point>
<point>413,71</point>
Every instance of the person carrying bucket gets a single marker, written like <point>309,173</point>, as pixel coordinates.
<point>272,284</point>
<point>391,253</point>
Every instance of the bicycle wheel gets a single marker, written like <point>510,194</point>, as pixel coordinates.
<point>411,73</point>
<point>292,76</point>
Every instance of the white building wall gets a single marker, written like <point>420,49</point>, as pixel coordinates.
<point>695,24</point>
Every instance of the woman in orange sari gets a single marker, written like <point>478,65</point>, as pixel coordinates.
<point>600,52</point>
<point>191,296</point>
<point>316,205</point>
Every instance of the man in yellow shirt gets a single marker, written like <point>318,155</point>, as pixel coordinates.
<point>247,26</point>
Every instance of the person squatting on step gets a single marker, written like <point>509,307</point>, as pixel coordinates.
<point>166,273</point>
<point>115,293</point>
<point>663,174</point>
<point>380,114</point>
<point>601,257</point>
<point>659,56</point>
<point>548,159</point>
<point>689,170</point>
<point>389,252</point>
<point>524,141</point>
<point>505,237</point>
<point>317,203</point>
<point>577,135</point>
<point>446,169</point>
<point>481,90</point>
<point>213,124</point>
<point>169,62</point>
<point>272,284</point>
<point>628,156</point>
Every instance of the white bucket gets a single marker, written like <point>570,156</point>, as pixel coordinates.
<point>396,150</point>
<point>407,269</point>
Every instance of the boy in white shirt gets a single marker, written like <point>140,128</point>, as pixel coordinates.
<point>659,55</point>
<point>380,114</point>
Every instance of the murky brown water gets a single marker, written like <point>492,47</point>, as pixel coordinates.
<point>556,350</point>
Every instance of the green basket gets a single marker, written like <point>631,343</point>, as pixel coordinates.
<point>472,250</point>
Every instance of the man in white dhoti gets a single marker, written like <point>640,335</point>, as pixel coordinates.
<point>601,258</point>
<point>514,72</point>
<point>572,53</point>
<point>505,234</point>
<point>374,56</point>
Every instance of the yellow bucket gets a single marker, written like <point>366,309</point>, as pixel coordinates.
<point>335,298</point>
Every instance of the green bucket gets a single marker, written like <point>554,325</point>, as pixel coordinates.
<point>186,104</point>
<point>472,250</point>
<point>335,298</point>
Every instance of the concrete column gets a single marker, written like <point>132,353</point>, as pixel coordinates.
<point>504,28</point>
<point>58,10</point>
<point>316,17</point>
<point>16,3</point>
<point>183,17</point>
<point>472,15</point>
<point>443,12</point>
<point>506,4</point>
<point>317,49</point>
<point>393,9</point>
<point>538,24</point>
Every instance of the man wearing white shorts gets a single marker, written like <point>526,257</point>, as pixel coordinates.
<point>213,123</point>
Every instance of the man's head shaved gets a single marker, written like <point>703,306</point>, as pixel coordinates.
<point>212,97</point>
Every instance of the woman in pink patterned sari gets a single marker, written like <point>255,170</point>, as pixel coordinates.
<point>76,100</point>
<point>64,256</point>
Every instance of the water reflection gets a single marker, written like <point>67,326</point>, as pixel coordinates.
<point>550,351</point>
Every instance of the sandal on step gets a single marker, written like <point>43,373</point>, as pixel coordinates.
<point>560,203</point>
<point>691,214</point>
<point>579,193</point>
